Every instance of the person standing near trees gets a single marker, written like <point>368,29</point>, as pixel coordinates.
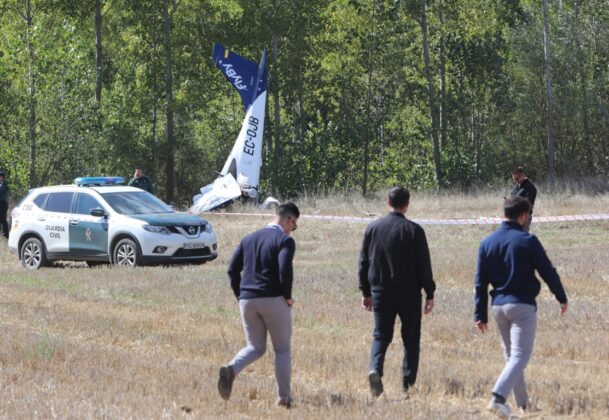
<point>141,181</point>
<point>4,193</point>
<point>507,260</point>
<point>261,274</point>
<point>394,265</point>
<point>524,188</point>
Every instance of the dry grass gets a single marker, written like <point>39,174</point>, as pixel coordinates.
<point>443,205</point>
<point>81,343</point>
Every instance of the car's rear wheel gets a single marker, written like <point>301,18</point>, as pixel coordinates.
<point>33,255</point>
<point>126,253</point>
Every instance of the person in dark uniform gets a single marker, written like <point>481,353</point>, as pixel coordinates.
<point>141,181</point>
<point>394,265</point>
<point>4,193</point>
<point>524,188</point>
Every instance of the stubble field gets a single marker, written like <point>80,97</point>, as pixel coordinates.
<point>146,343</point>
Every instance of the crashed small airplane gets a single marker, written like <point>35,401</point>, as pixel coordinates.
<point>240,175</point>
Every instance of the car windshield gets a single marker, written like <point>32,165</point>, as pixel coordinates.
<point>140,202</point>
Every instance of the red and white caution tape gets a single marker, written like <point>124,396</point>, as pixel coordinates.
<point>478,221</point>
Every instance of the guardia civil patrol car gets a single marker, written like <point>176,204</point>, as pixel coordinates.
<point>98,220</point>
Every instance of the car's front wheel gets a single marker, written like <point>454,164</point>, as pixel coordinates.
<point>33,255</point>
<point>126,253</point>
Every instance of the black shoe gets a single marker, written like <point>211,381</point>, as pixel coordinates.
<point>376,384</point>
<point>287,403</point>
<point>225,381</point>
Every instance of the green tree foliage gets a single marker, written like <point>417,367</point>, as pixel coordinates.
<point>349,97</point>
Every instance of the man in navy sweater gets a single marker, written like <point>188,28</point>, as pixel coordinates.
<point>507,260</point>
<point>260,272</point>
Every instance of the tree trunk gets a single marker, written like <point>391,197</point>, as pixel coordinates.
<point>32,94</point>
<point>301,112</point>
<point>598,78</point>
<point>584,93</point>
<point>430,96</point>
<point>170,139</point>
<point>153,146</point>
<point>549,99</point>
<point>277,116</point>
<point>369,130</point>
<point>98,51</point>
<point>295,119</point>
<point>442,85</point>
<point>474,132</point>
<point>154,117</point>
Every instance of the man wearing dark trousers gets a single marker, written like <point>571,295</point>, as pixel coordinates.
<point>261,273</point>
<point>394,265</point>
<point>525,189</point>
<point>507,260</point>
<point>4,193</point>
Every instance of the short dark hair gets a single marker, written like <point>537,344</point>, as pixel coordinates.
<point>519,170</point>
<point>399,197</point>
<point>137,167</point>
<point>2,174</point>
<point>288,209</point>
<point>514,206</point>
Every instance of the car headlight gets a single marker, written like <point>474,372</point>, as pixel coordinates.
<point>208,228</point>
<point>157,229</point>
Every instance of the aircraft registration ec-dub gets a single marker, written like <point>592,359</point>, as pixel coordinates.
<point>240,175</point>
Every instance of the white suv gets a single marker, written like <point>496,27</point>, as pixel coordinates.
<point>106,224</point>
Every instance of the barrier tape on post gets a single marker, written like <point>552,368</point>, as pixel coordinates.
<point>478,221</point>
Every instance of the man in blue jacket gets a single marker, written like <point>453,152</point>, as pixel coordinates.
<point>507,260</point>
<point>260,272</point>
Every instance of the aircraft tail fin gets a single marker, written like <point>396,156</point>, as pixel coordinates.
<point>239,71</point>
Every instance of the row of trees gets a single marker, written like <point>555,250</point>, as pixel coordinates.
<point>363,93</point>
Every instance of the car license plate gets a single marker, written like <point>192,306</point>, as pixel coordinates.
<point>193,245</point>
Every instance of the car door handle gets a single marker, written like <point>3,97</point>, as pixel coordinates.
<point>74,222</point>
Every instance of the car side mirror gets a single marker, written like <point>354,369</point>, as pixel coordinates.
<point>98,212</point>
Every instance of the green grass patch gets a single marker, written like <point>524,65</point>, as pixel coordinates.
<point>32,280</point>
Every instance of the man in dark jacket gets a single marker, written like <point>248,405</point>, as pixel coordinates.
<point>507,260</point>
<point>260,272</point>
<point>394,265</point>
<point>4,193</point>
<point>525,189</point>
<point>141,181</point>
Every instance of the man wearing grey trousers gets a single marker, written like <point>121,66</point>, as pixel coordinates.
<point>261,274</point>
<point>507,260</point>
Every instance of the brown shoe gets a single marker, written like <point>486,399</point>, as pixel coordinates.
<point>287,403</point>
<point>225,382</point>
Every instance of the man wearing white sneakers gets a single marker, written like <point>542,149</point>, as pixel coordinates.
<point>507,260</point>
